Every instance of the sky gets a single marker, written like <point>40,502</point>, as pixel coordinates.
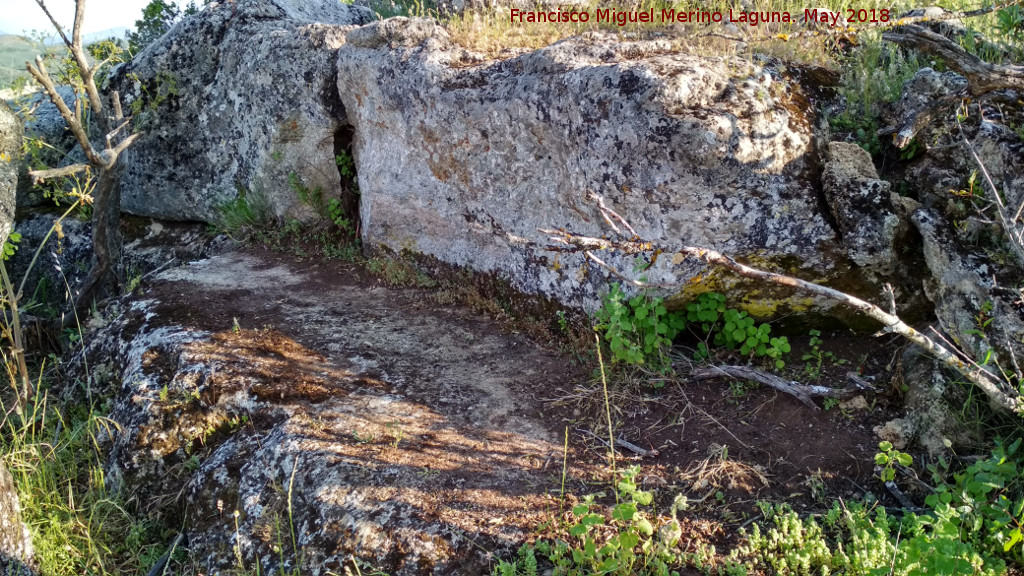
<point>20,16</point>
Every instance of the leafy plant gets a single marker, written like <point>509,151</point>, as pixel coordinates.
<point>247,212</point>
<point>1010,22</point>
<point>888,458</point>
<point>734,329</point>
<point>346,165</point>
<point>987,499</point>
<point>815,357</point>
<point>638,330</point>
<point>11,245</point>
<point>330,209</point>
<point>628,541</point>
<point>873,75</point>
<point>738,389</point>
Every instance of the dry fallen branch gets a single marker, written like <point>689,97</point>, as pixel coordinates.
<point>982,77</point>
<point>958,15</point>
<point>1000,393</point>
<point>40,175</point>
<point>801,392</point>
<point>622,443</point>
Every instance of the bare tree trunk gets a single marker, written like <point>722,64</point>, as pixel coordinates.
<point>982,77</point>
<point>106,276</point>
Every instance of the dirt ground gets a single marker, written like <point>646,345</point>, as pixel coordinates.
<point>725,445</point>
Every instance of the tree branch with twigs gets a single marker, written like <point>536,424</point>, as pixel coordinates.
<point>104,156</point>
<point>1002,394</point>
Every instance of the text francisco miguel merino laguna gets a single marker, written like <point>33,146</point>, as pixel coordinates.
<point>622,17</point>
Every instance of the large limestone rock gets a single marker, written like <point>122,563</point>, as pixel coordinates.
<point>376,428</point>
<point>235,100</point>
<point>465,160</point>
<point>864,207</point>
<point>11,132</point>
<point>980,315</point>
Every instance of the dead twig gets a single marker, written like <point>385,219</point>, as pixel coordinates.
<point>801,392</point>
<point>620,442</point>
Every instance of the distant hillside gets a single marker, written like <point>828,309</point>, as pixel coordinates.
<point>14,52</point>
<point>120,32</point>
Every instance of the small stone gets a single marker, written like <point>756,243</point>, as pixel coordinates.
<point>855,403</point>
<point>898,431</point>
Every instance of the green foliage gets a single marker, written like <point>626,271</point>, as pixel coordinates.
<point>638,330</point>
<point>857,540</point>
<point>738,389</point>
<point>790,545</point>
<point>247,212</point>
<point>630,540</point>
<point>733,329</point>
<point>873,75</point>
<point>152,95</point>
<point>1010,23</point>
<point>329,209</point>
<point>79,524</point>
<point>972,526</point>
<point>815,357</point>
<point>157,18</point>
<point>986,501</point>
<point>888,458</point>
<point>346,165</point>
<point>399,271</point>
<point>11,245</point>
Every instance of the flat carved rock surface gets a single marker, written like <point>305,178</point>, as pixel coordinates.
<point>406,434</point>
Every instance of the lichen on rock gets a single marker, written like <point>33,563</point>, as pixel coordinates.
<point>235,100</point>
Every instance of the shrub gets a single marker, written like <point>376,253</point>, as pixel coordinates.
<point>734,329</point>
<point>638,330</point>
<point>629,541</point>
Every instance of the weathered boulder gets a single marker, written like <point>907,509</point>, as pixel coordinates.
<point>16,551</point>
<point>378,429</point>
<point>978,314</point>
<point>465,160</point>
<point>934,407</point>
<point>944,163</point>
<point>235,100</point>
<point>970,264</point>
<point>865,209</point>
<point>67,256</point>
<point>11,132</point>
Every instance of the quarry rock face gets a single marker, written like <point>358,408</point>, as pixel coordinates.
<point>233,101</point>
<point>466,160</point>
